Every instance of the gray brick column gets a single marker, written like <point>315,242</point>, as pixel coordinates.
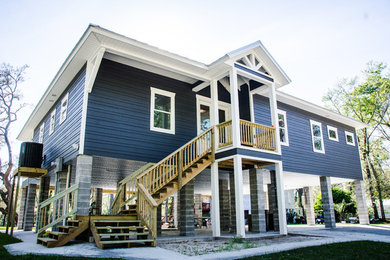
<point>22,208</point>
<point>327,202</point>
<point>273,201</point>
<point>30,207</point>
<point>308,204</point>
<point>256,185</point>
<point>361,202</point>
<point>232,204</point>
<point>44,189</point>
<point>224,204</point>
<point>198,209</point>
<point>186,197</point>
<point>98,200</point>
<point>159,219</point>
<point>83,178</point>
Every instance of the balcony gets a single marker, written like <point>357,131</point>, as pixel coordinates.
<point>252,135</point>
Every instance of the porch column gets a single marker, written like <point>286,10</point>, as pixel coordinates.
<point>83,179</point>
<point>273,201</point>
<point>175,211</point>
<point>274,114</point>
<point>215,221</point>
<point>29,207</point>
<point>238,188</point>
<point>186,224</point>
<point>159,219</point>
<point>327,202</point>
<point>309,205</point>
<point>257,200</point>
<point>234,108</point>
<point>98,200</point>
<point>22,206</point>
<point>361,202</point>
<point>281,199</point>
<point>214,115</point>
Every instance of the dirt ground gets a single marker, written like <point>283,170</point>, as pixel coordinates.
<point>193,247</point>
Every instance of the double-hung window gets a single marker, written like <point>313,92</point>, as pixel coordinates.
<point>283,133</point>
<point>332,133</point>
<point>350,138</point>
<point>64,108</point>
<point>52,121</point>
<point>316,135</point>
<point>41,132</point>
<point>162,111</point>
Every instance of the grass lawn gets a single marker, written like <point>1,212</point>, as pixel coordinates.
<point>348,250</point>
<point>6,239</point>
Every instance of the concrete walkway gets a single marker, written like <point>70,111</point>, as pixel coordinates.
<point>342,233</point>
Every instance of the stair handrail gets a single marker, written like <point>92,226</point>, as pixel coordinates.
<point>175,163</point>
<point>147,210</point>
<point>127,186</point>
<point>57,208</point>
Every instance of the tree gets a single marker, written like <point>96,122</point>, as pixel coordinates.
<point>10,105</point>
<point>368,102</point>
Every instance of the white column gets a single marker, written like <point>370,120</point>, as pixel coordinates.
<point>281,199</point>
<point>238,184</point>
<point>214,116</point>
<point>215,221</point>
<point>235,108</point>
<point>274,114</point>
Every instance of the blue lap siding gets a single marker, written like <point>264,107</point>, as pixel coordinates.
<point>118,117</point>
<point>60,142</point>
<point>340,159</point>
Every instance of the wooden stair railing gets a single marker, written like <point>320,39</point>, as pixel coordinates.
<point>127,190</point>
<point>258,136</point>
<point>57,209</point>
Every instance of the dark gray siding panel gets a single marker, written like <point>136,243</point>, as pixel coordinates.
<point>340,159</point>
<point>118,117</point>
<point>247,152</point>
<point>60,142</point>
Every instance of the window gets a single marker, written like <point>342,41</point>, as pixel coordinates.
<point>332,133</point>
<point>350,138</point>
<point>52,121</point>
<point>41,132</point>
<point>282,119</point>
<point>64,108</point>
<point>316,134</point>
<point>162,111</point>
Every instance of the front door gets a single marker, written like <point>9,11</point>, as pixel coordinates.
<point>203,112</point>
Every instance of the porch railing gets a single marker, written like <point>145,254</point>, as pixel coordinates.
<point>57,208</point>
<point>251,134</point>
<point>147,210</point>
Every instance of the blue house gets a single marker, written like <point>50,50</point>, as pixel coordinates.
<point>159,130</point>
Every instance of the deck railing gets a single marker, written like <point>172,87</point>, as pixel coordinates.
<point>57,208</point>
<point>225,134</point>
<point>258,136</point>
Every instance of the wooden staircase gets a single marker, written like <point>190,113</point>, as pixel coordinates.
<point>64,234</point>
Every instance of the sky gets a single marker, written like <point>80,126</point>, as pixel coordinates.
<point>317,43</point>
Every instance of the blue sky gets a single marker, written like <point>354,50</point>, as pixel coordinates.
<point>315,42</point>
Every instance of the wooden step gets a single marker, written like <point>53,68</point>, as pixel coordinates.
<point>67,228</point>
<point>124,234</point>
<point>126,241</point>
<point>117,221</point>
<point>119,227</point>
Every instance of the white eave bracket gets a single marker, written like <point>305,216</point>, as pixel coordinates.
<point>93,68</point>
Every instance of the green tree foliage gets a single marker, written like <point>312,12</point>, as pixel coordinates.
<point>368,101</point>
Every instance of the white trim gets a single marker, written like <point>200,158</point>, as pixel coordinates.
<point>91,76</point>
<point>235,108</point>
<point>274,115</point>
<point>353,138</point>
<point>283,113</point>
<point>52,121</point>
<point>312,122</point>
<point>281,198</point>
<point>239,196</point>
<point>206,101</point>
<point>171,95</point>
<point>41,133</point>
<point>332,128</point>
<point>215,217</point>
<point>64,109</point>
<point>251,105</point>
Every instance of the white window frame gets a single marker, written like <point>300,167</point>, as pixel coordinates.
<point>353,138</point>
<point>41,133</point>
<point>282,112</point>
<point>64,109</point>
<point>312,122</point>
<point>332,128</point>
<point>171,95</point>
<point>52,121</point>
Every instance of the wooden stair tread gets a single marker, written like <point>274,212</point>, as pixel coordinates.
<point>118,227</point>
<point>67,227</point>
<point>118,221</point>
<point>126,241</point>
<point>46,239</point>
<point>58,233</point>
<point>124,234</point>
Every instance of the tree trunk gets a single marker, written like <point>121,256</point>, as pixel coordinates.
<point>379,190</point>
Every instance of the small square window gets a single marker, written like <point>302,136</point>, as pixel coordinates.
<point>350,138</point>
<point>41,132</point>
<point>332,133</point>
<point>52,121</point>
<point>162,111</point>
<point>64,108</point>
<point>316,134</point>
